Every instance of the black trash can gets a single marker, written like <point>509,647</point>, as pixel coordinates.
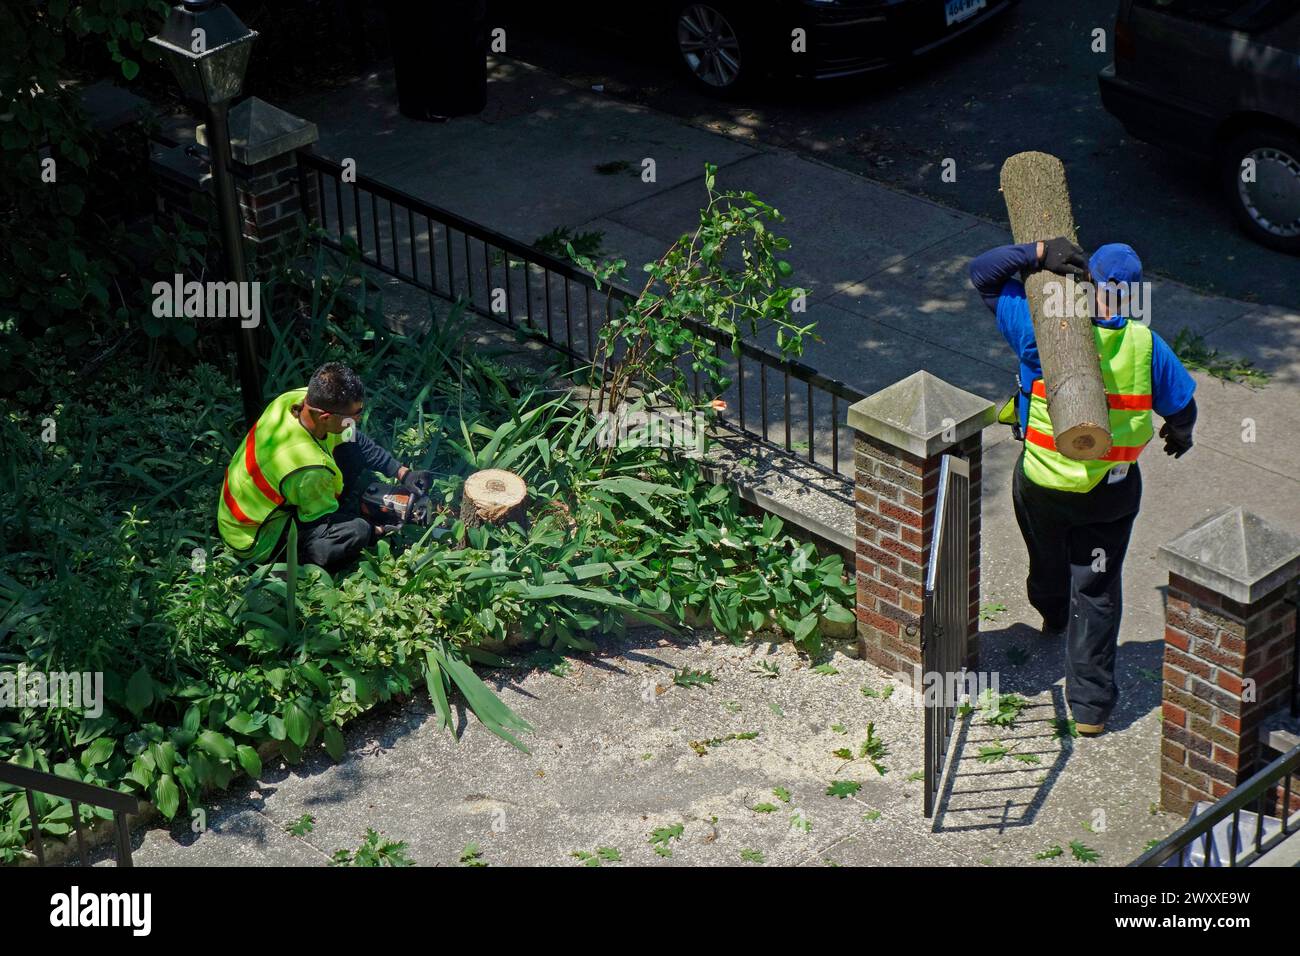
<point>439,56</point>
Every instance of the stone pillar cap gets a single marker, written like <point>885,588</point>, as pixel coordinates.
<point>1234,553</point>
<point>260,131</point>
<point>921,414</point>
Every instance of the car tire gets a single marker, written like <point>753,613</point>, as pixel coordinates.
<point>1268,209</point>
<point>714,46</point>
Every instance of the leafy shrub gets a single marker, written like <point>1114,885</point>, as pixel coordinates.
<point>110,559</point>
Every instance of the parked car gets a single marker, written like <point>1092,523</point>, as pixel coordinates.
<point>724,46</point>
<point>1218,79</point>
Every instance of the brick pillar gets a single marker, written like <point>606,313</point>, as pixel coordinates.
<point>1229,639</point>
<point>264,141</point>
<point>901,434</point>
<point>182,184</point>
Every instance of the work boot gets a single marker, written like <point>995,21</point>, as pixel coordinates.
<point>1048,632</point>
<point>1089,730</point>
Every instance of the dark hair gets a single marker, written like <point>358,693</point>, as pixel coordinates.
<point>334,388</point>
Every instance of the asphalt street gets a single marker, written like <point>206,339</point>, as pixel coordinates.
<point>1028,81</point>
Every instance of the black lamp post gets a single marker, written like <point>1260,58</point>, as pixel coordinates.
<point>207,48</point>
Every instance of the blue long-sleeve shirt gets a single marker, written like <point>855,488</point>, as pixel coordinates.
<point>995,275</point>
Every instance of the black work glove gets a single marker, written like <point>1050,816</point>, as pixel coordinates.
<point>1178,441</point>
<point>1063,257</point>
<point>418,481</point>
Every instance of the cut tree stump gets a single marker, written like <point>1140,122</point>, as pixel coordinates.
<point>1038,202</point>
<point>494,497</point>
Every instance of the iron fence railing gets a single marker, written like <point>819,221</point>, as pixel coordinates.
<point>945,616</point>
<point>778,401</point>
<point>77,793</point>
<point>1205,838</point>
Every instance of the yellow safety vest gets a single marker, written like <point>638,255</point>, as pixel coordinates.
<point>1125,355</point>
<point>253,509</point>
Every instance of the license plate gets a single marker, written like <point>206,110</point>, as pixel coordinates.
<point>959,10</point>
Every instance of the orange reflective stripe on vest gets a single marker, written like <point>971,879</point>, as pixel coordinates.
<point>233,505</point>
<point>1117,453</point>
<point>255,470</point>
<point>1123,403</point>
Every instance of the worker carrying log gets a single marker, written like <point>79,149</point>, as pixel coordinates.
<point>306,459</point>
<point>1076,515</point>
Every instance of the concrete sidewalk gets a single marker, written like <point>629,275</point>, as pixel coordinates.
<point>612,756</point>
<point>742,766</point>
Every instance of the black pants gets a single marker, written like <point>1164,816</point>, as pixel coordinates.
<point>1077,544</point>
<point>335,540</point>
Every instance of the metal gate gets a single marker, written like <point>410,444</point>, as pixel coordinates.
<point>945,617</point>
<point>775,400</point>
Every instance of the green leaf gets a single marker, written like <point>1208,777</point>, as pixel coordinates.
<point>249,760</point>
<point>166,796</point>
<point>1084,853</point>
<point>275,727</point>
<point>688,677</point>
<point>139,692</point>
<point>662,836</point>
<point>247,724</point>
<point>130,69</point>
<point>297,723</point>
<point>839,615</point>
<point>843,788</point>
<point>334,744</point>
<point>98,752</point>
<point>216,744</point>
<point>436,680</point>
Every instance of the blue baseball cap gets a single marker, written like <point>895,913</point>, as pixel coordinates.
<point>1115,262</point>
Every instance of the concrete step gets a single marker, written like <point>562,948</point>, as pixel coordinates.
<point>1287,854</point>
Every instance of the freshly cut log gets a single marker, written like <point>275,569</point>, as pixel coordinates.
<point>494,497</point>
<point>1038,202</point>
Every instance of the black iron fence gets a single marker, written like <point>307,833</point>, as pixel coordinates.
<point>77,793</point>
<point>945,617</point>
<point>1230,834</point>
<point>778,401</point>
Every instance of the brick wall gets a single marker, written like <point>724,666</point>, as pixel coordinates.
<point>269,200</point>
<point>1214,648</point>
<point>895,493</point>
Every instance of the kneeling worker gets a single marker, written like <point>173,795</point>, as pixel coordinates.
<point>296,463</point>
<point>1076,516</point>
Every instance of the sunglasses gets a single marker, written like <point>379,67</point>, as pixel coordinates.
<point>316,409</point>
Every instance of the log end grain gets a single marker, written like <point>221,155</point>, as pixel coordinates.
<point>1086,441</point>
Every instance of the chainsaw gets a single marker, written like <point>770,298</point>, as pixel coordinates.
<point>392,504</point>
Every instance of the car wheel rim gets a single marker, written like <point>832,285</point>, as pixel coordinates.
<point>1272,199</point>
<point>709,44</point>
